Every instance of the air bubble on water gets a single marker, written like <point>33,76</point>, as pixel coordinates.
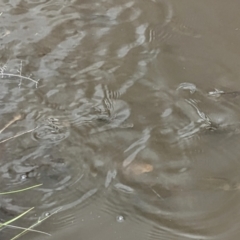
<point>23,177</point>
<point>47,214</point>
<point>120,218</point>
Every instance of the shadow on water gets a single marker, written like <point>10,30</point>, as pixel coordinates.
<point>132,113</point>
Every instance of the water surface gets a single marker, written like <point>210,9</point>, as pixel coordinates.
<point>132,109</point>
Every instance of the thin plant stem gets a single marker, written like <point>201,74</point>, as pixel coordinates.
<point>14,219</point>
<point>35,224</point>
<point>21,190</point>
<point>16,118</point>
<point>17,135</point>
<point>157,194</point>
<point>31,230</point>
<point>18,76</point>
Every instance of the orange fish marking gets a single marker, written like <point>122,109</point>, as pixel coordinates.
<point>139,168</point>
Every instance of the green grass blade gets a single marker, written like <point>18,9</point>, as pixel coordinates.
<point>30,230</point>
<point>14,219</point>
<point>35,224</point>
<point>21,190</point>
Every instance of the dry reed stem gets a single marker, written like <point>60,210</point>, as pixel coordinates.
<point>17,135</point>
<point>16,118</point>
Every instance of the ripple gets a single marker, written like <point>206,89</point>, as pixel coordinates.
<point>60,172</point>
<point>127,117</point>
<point>51,134</point>
<point>106,115</point>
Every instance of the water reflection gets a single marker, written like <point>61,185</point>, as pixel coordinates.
<point>135,118</point>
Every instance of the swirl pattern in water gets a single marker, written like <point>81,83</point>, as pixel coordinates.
<point>126,113</point>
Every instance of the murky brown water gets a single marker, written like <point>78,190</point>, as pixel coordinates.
<point>136,110</point>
